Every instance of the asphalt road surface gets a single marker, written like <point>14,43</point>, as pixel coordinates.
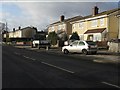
<point>23,68</point>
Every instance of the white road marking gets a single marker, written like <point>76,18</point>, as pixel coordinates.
<point>29,58</point>
<point>57,67</point>
<point>33,59</point>
<point>99,61</point>
<point>16,53</point>
<point>25,56</point>
<point>111,84</point>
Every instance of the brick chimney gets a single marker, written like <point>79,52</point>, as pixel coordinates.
<point>19,27</point>
<point>62,17</point>
<point>95,10</point>
<point>13,29</point>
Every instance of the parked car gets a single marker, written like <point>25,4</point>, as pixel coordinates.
<point>85,47</point>
<point>41,43</point>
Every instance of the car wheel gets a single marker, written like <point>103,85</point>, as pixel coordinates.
<point>84,51</point>
<point>32,46</point>
<point>66,51</point>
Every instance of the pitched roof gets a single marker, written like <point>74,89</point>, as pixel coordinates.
<point>100,14</point>
<point>68,20</point>
<point>103,13</point>
<point>100,30</point>
<point>89,16</point>
<point>24,29</point>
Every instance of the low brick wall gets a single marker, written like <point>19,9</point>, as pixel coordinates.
<point>24,43</point>
<point>19,43</point>
<point>102,44</point>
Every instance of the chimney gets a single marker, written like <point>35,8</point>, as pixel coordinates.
<point>62,18</point>
<point>19,27</point>
<point>13,29</point>
<point>95,10</point>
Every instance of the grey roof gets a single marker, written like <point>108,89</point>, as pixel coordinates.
<point>89,16</point>
<point>68,20</point>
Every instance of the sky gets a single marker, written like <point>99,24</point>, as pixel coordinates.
<point>42,13</point>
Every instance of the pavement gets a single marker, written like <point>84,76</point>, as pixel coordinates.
<point>102,56</point>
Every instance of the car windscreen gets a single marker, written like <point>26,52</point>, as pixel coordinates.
<point>91,42</point>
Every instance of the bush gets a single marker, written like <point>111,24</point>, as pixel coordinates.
<point>74,36</point>
<point>52,36</point>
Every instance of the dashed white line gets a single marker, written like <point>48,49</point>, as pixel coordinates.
<point>16,53</point>
<point>111,84</point>
<point>33,59</point>
<point>25,56</point>
<point>57,67</point>
<point>99,61</point>
<point>29,58</point>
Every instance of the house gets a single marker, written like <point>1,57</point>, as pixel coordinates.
<point>27,32</point>
<point>62,26</point>
<point>21,34</point>
<point>98,26</point>
<point>119,25</point>
<point>114,45</point>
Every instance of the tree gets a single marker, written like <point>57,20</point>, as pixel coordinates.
<point>62,38</point>
<point>53,37</point>
<point>40,36</point>
<point>74,36</point>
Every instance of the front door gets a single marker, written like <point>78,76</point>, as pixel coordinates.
<point>90,38</point>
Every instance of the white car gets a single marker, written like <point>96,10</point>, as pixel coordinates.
<point>84,47</point>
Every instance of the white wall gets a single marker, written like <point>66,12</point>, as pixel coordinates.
<point>17,34</point>
<point>11,35</point>
<point>114,47</point>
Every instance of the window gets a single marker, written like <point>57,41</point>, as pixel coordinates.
<point>73,26</point>
<point>81,43</point>
<point>74,43</point>
<point>59,27</point>
<point>97,37</point>
<point>63,26</point>
<point>52,29</point>
<point>94,23</point>
<point>91,42</point>
<point>102,22</point>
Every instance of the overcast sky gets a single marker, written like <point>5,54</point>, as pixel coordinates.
<point>41,13</point>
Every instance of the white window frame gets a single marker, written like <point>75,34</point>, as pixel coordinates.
<point>63,26</point>
<point>102,22</point>
<point>52,29</point>
<point>59,27</point>
<point>97,37</point>
<point>94,23</point>
<point>81,25</point>
<point>74,26</point>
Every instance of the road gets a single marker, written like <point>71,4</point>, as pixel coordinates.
<point>23,68</point>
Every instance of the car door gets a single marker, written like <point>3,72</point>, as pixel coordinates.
<point>73,46</point>
<point>80,46</point>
